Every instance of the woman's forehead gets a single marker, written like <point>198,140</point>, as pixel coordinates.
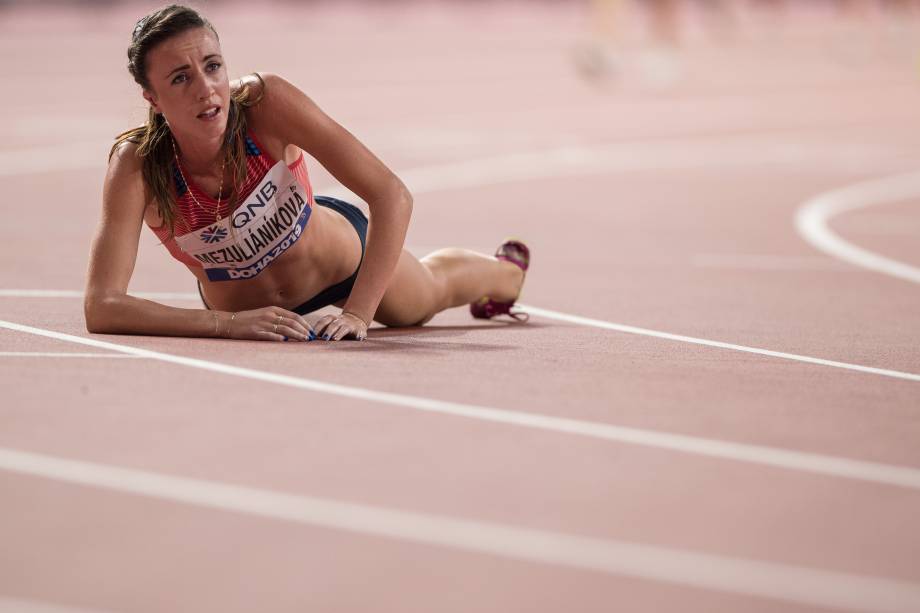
<point>191,45</point>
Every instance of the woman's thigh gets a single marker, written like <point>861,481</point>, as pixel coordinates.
<point>413,296</point>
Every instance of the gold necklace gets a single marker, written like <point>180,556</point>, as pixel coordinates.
<point>220,191</point>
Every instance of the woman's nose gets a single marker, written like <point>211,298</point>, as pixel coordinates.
<point>204,87</point>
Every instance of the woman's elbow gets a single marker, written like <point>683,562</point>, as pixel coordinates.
<point>97,313</point>
<point>95,326</point>
<point>397,205</point>
<point>407,202</point>
<point>93,317</point>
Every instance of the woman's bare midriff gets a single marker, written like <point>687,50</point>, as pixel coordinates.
<point>328,251</point>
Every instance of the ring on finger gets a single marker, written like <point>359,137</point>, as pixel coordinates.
<point>275,328</point>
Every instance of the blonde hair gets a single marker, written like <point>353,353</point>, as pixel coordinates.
<point>154,140</point>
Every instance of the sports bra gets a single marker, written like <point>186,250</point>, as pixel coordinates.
<point>251,233</point>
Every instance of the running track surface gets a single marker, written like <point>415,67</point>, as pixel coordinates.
<point>566,464</point>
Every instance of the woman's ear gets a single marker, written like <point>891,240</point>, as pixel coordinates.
<point>148,96</point>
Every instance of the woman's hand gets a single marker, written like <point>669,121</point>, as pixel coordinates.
<point>268,324</point>
<point>337,327</point>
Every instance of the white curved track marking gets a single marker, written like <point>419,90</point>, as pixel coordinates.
<point>887,474</point>
<point>785,582</point>
<point>812,218</point>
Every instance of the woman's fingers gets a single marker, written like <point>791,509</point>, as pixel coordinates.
<point>328,327</point>
<point>288,324</point>
<point>271,324</point>
<point>322,323</point>
<point>296,329</point>
<point>300,321</point>
<point>265,335</point>
<point>343,331</point>
<point>339,331</point>
<point>293,333</point>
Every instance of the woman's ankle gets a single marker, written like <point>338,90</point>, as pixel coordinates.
<point>514,282</point>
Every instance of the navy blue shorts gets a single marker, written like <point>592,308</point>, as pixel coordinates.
<point>342,289</point>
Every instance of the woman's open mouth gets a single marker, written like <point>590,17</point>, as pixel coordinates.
<point>211,114</point>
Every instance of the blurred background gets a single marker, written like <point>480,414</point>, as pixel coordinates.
<point>462,48</point>
<point>423,82</point>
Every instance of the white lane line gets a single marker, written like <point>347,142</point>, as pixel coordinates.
<point>573,319</point>
<point>887,474</point>
<point>812,218</point>
<point>47,354</point>
<point>16,605</point>
<point>748,577</point>
<point>606,325</point>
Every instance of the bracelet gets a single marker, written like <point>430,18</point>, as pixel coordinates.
<point>353,314</point>
<point>230,324</point>
<point>216,325</point>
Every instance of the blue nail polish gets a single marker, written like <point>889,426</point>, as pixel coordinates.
<point>325,337</point>
<point>311,335</point>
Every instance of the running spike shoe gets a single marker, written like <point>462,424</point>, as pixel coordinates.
<point>517,253</point>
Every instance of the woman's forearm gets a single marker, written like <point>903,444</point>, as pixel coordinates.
<point>124,314</point>
<point>386,235</point>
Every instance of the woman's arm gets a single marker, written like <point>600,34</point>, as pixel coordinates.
<point>291,115</point>
<point>110,310</point>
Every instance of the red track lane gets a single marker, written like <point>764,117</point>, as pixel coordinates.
<point>676,215</point>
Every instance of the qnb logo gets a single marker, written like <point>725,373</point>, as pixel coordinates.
<point>214,234</point>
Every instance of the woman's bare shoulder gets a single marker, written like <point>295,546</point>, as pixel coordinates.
<point>124,159</point>
<point>268,110</point>
<point>283,108</point>
<point>272,93</point>
<point>254,88</point>
<point>124,180</point>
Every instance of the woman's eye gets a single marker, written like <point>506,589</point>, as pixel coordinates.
<point>213,66</point>
<point>179,78</point>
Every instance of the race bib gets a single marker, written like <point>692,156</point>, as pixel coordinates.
<point>270,220</point>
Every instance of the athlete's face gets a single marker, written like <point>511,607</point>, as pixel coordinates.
<point>189,84</point>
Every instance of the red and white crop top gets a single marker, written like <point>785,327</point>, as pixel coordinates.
<point>253,231</point>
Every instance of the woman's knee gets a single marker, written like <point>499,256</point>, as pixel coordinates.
<point>414,296</point>
<point>402,319</point>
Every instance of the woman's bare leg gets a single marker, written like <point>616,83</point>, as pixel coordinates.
<point>446,278</point>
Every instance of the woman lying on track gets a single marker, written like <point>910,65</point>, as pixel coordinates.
<point>218,174</point>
